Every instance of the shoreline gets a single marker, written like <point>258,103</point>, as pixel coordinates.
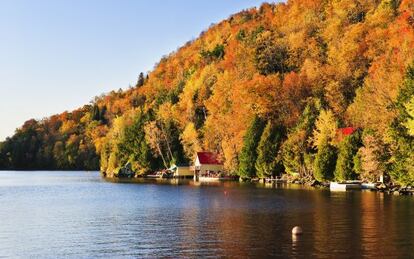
<point>392,189</point>
<point>314,185</point>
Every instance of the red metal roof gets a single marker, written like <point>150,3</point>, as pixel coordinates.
<point>341,133</point>
<point>208,158</point>
<point>347,131</point>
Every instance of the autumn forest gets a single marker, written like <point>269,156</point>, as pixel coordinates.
<point>270,89</point>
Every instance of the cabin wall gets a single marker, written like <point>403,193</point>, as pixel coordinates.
<point>215,168</point>
<point>197,162</point>
<point>184,171</point>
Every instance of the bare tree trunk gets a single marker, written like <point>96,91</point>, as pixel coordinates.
<point>167,142</point>
<point>162,156</point>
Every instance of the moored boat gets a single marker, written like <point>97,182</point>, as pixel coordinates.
<point>335,186</point>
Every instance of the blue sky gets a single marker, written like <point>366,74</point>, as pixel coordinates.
<point>56,55</point>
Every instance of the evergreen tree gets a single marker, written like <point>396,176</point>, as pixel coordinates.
<point>96,116</point>
<point>348,149</point>
<point>296,148</point>
<point>248,154</point>
<point>402,159</point>
<point>325,160</point>
<point>268,161</point>
<point>102,114</point>
<point>216,54</point>
<point>134,149</point>
<point>358,163</point>
<point>410,120</point>
<point>141,80</point>
<point>2,156</point>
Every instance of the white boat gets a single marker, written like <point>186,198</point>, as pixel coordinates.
<point>341,187</point>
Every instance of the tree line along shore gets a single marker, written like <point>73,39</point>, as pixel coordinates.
<point>319,90</point>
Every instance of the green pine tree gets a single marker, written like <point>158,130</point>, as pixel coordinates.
<point>402,159</point>
<point>248,154</point>
<point>133,147</point>
<point>268,161</point>
<point>141,80</point>
<point>348,149</point>
<point>296,150</point>
<point>96,113</point>
<point>325,161</point>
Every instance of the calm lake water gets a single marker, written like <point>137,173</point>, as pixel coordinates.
<point>77,214</point>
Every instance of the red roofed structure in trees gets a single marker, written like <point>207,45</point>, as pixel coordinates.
<point>207,164</point>
<point>344,132</point>
<point>208,158</point>
<point>347,131</point>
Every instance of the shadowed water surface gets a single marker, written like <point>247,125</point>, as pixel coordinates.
<point>77,214</point>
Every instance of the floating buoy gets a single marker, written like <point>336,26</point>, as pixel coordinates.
<point>297,231</point>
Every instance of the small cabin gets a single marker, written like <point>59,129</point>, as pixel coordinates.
<point>207,164</point>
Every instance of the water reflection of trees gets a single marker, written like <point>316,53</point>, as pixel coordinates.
<point>347,224</point>
<point>224,220</point>
<point>361,223</point>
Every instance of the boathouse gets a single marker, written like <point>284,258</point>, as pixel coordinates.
<point>181,171</point>
<point>207,163</point>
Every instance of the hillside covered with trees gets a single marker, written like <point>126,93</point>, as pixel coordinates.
<point>269,89</point>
